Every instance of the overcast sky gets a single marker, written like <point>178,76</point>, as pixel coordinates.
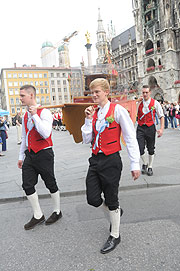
<point>26,24</point>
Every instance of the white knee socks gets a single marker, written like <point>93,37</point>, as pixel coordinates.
<point>105,210</point>
<point>151,159</point>
<point>56,202</point>
<point>115,222</point>
<point>143,157</point>
<point>33,199</point>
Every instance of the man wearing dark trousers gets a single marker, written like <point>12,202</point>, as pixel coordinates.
<point>103,127</point>
<point>146,130</point>
<point>36,157</point>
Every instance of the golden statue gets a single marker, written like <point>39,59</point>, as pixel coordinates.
<point>87,35</point>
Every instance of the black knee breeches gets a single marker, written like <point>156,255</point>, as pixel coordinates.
<point>38,163</point>
<point>103,176</point>
<point>146,137</point>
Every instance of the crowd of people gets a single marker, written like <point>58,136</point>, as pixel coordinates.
<point>171,115</point>
<point>58,121</point>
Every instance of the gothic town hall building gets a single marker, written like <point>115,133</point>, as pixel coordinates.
<point>157,24</point>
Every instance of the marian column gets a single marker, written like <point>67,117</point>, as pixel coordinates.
<point>88,46</point>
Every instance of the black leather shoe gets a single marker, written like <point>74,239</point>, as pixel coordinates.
<point>110,244</point>
<point>34,222</point>
<point>144,169</point>
<point>53,218</point>
<point>121,213</point>
<point>150,172</point>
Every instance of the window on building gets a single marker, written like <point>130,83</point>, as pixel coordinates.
<point>11,92</point>
<point>21,83</point>
<point>53,97</point>
<point>16,91</point>
<point>20,75</point>
<point>25,75</point>
<point>46,83</point>
<point>52,75</point>
<point>45,75</point>
<point>16,84</point>
<point>10,84</point>
<point>52,82</point>
<point>14,75</point>
<point>13,110</point>
<point>30,75</point>
<point>63,74</point>
<point>17,100</point>
<point>42,99</point>
<point>64,82</point>
<point>41,83</point>
<point>31,83</point>
<point>42,90</point>
<point>58,74</point>
<point>40,75</point>
<point>18,109</point>
<point>9,75</point>
<point>38,99</point>
<point>65,89</point>
<point>47,99</point>
<point>58,82</point>
<point>11,101</point>
<point>35,75</point>
<point>53,89</point>
<point>37,91</point>
<point>46,90</point>
<point>36,83</point>
<point>59,89</point>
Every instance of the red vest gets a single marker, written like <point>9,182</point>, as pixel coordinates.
<point>147,119</point>
<point>109,139</point>
<point>35,141</point>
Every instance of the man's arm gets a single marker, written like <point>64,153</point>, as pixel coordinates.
<point>129,135</point>
<point>160,114</point>
<point>160,131</point>
<point>23,146</point>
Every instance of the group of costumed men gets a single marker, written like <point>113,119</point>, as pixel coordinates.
<point>102,129</point>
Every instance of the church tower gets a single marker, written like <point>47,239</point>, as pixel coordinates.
<point>158,46</point>
<point>101,44</point>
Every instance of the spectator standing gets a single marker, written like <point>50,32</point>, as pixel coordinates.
<point>19,127</point>
<point>172,112</point>
<point>3,134</point>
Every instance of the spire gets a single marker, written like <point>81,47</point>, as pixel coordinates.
<point>100,24</point>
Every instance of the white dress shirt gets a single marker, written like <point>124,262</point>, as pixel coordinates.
<point>157,106</point>
<point>43,125</point>
<point>121,116</point>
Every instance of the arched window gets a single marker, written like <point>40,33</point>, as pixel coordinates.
<point>152,82</point>
<point>149,47</point>
<point>151,63</point>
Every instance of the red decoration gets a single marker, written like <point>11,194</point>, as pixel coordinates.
<point>149,51</point>
<point>150,68</point>
<point>177,82</point>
